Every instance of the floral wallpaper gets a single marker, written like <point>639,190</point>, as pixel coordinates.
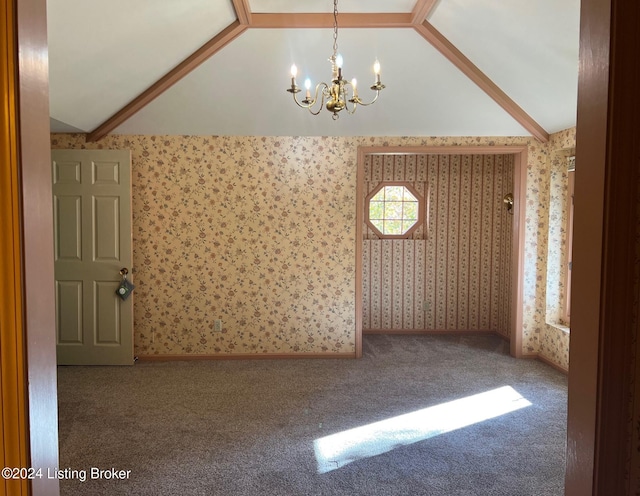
<point>557,243</point>
<point>554,342</point>
<point>260,233</point>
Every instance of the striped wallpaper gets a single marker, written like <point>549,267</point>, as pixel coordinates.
<point>454,273</point>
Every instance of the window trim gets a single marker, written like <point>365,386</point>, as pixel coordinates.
<point>414,192</point>
<point>566,299</point>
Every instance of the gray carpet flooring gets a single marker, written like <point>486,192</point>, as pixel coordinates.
<point>250,428</point>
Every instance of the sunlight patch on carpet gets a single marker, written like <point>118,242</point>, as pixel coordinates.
<point>342,448</point>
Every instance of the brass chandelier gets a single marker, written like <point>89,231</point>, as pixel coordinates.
<point>340,94</point>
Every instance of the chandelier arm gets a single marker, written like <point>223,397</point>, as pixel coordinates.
<point>351,110</point>
<point>353,100</point>
<point>309,104</point>
<point>366,104</point>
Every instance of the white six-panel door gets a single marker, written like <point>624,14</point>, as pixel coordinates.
<point>92,219</point>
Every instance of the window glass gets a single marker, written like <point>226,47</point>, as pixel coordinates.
<point>393,210</point>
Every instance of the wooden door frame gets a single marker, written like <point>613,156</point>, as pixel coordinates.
<point>519,153</point>
<point>30,124</point>
<point>14,436</point>
<point>602,436</point>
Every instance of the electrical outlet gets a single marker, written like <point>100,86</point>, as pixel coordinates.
<point>217,325</point>
<point>426,306</point>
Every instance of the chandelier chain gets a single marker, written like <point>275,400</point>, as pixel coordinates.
<point>335,27</point>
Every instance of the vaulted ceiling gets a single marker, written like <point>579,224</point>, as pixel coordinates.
<point>221,67</point>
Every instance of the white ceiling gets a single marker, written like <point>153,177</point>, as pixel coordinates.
<point>104,54</point>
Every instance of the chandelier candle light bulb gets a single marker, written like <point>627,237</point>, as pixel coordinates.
<point>307,85</point>
<point>334,96</point>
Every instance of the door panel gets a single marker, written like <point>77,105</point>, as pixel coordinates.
<point>106,245</point>
<point>107,312</point>
<point>92,214</point>
<point>69,299</point>
<point>68,245</point>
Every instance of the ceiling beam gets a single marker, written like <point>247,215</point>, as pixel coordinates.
<point>219,41</point>
<point>421,10</point>
<point>325,20</point>
<point>247,19</point>
<point>457,58</point>
<point>243,11</point>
